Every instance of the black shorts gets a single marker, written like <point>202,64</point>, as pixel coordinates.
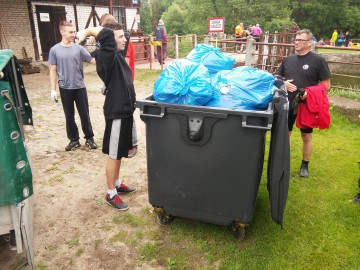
<point>291,122</point>
<point>118,137</point>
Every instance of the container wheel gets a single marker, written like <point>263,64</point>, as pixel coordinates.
<point>239,233</point>
<point>164,219</point>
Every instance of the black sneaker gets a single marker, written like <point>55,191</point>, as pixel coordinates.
<point>91,143</point>
<point>72,145</point>
<point>116,202</point>
<point>304,171</point>
<point>124,189</point>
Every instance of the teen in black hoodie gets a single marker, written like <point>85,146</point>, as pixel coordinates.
<point>119,105</point>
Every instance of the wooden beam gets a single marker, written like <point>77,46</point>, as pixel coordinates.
<point>76,18</point>
<point>33,32</point>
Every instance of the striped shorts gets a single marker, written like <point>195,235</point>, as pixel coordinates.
<point>118,137</point>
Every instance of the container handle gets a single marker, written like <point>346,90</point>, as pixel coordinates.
<point>152,111</point>
<point>246,125</point>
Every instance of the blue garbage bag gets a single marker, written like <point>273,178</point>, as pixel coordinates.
<point>211,57</point>
<point>243,88</point>
<point>184,82</point>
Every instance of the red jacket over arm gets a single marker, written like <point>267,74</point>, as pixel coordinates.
<point>314,112</point>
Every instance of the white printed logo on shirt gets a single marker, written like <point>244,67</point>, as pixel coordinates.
<point>305,66</point>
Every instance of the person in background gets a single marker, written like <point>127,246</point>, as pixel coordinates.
<point>347,38</point>
<point>119,105</point>
<point>334,38</point>
<point>301,70</point>
<point>256,33</point>
<point>160,34</point>
<point>66,68</point>
<point>341,38</point>
<point>321,41</point>
<point>238,34</point>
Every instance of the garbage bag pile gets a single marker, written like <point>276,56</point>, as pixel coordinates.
<point>207,78</point>
<point>184,82</point>
<point>242,88</point>
<point>211,57</point>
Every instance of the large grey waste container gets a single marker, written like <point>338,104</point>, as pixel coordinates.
<point>206,163</point>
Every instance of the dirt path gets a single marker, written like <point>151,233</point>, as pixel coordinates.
<point>73,228</point>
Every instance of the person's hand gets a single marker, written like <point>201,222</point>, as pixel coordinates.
<point>303,97</point>
<point>289,86</point>
<point>53,95</point>
<point>81,36</point>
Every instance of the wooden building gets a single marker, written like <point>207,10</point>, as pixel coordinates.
<point>32,26</point>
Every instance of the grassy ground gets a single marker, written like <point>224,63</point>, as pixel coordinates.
<point>331,50</point>
<point>321,225</point>
<point>345,93</point>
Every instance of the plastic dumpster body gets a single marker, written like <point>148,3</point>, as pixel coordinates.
<point>16,187</point>
<point>206,163</point>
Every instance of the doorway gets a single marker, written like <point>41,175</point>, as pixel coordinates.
<point>48,18</point>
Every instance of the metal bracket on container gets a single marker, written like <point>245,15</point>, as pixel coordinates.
<point>195,123</point>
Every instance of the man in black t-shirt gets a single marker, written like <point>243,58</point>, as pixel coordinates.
<point>301,70</point>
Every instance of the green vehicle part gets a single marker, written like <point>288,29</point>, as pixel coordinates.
<point>15,111</point>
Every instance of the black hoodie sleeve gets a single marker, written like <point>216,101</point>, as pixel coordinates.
<point>106,55</point>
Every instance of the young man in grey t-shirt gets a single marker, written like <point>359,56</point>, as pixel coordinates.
<point>66,67</point>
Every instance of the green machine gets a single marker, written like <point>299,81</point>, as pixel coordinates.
<point>16,187</point>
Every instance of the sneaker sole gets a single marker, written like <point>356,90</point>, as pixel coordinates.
<point>72,148</point>
<point>91,147</point>
<point>133,154</point>
<point>122,192</point>
<point>120,209</point>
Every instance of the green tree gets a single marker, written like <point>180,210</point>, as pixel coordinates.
<point>174,19</point>
<point>322,16</point>
<point>145,17</point>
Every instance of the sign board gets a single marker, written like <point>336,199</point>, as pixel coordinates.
<point>44,17</point>
<point>216,25</point>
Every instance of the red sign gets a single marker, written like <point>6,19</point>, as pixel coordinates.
<point>216,25</point>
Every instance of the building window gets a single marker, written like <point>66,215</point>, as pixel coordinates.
<point>119,15</point>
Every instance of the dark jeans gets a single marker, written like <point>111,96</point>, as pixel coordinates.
<point>257,39</point>
<point>79,96</point>
<point>163,50</point>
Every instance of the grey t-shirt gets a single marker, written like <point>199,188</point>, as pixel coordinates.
<point>69,62</point>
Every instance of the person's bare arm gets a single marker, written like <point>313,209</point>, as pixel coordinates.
<point>327,84</point>
<point>88,32</point>
<point>53,77</point>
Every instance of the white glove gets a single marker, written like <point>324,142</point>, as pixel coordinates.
<point>91,40</point>
<point>81,36</point>
<point>54,96</point>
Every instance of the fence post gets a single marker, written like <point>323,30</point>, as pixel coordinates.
<point>176,47</point>
<point>194,40</point>
<point>250,49</point>
<point>224,44</point>
<point>207,40</point>
<point>151,39</point>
